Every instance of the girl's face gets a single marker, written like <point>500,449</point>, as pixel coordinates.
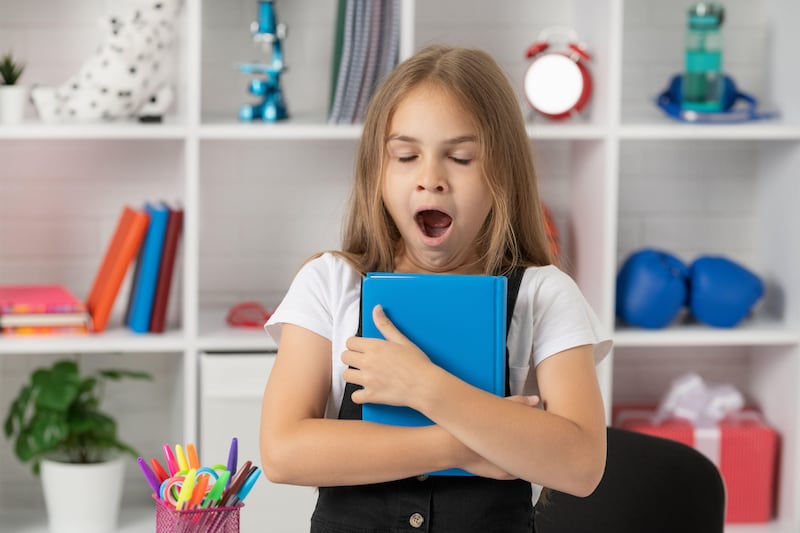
<point>433,185</point>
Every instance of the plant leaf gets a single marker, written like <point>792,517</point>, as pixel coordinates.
<point>119,374</point>
<point>126,448</point>
<point>45,432</point>
<point>94,423</point>
<point>58,386</point>
<point>16,413</point>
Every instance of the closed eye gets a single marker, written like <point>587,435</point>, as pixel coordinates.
<point>460,161</point>
<point>407,158</point>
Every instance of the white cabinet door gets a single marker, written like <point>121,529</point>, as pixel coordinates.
<point>231,386</point>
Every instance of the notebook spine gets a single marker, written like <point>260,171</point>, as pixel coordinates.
<point>500,288</point>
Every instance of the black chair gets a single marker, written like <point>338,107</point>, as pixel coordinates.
<point>650,485</point>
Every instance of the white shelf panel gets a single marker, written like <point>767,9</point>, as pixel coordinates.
<point>310,127</point>
<point>656,125</point>
<point>758,332</point>
<point>131,520</point>
<point>214,335</point>
<point>565,131</point>
<point>126,130</point>
<point>117,340</point>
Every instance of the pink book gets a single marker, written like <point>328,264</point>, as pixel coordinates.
<point>19,299</point>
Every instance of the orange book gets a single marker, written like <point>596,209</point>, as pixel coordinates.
<point>165,270</point>
<point>124,246</point>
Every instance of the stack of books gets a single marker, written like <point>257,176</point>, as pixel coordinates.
<point>149,238</point>
<point>366,49</point>
<point>42,310</point>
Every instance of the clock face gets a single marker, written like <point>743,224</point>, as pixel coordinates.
<point>553,84</point>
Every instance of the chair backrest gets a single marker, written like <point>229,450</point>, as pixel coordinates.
<point>650,485</point>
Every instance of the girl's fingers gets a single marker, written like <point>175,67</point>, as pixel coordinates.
<point>386,327</point>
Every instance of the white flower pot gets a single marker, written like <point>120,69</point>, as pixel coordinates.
<point>13,99</point>
<point>83,498</point>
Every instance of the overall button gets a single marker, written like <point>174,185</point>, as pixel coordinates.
<point>423,477</point>
<point>416,520</point>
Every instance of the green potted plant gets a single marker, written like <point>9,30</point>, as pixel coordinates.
<point>58,427</point>
<point>12,96</point>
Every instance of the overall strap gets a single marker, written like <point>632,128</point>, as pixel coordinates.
<point>352,411</point>
<point>514,282</point>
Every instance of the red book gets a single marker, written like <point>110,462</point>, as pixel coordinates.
<point>165,270</point>
<point>124,246</point>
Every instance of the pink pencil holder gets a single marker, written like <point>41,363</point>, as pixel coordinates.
<point>210,520</point>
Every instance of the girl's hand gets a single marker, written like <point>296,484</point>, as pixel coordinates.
<point>392,371</point>
<point>532,400</point>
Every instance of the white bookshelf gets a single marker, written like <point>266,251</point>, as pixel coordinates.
<point>260,198</point>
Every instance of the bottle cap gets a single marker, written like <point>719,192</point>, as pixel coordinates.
<point>706,15</point>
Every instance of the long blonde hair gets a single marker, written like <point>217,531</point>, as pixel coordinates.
<point>513,234</point>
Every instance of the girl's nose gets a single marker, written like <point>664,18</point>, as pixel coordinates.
<point>431,178</point>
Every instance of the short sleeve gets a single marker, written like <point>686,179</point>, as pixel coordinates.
<point>306,302</point>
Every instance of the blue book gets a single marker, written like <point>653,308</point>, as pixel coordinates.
<point>459,321</point>
<point>144,289</point>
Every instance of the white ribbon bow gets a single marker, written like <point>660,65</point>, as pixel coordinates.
<point>690,398</point>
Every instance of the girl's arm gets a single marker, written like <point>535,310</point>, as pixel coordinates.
<point>299,446</point>
<point>561,447</point>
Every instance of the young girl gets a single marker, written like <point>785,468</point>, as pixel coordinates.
<point>444,183</point>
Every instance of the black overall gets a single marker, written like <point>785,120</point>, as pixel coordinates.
<point>439,504</point>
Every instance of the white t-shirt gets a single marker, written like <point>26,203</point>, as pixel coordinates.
<point>550,315</point>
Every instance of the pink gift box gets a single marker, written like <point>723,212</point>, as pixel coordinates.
<point>742,445</point>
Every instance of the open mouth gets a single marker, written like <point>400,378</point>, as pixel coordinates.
<point>433,223</point>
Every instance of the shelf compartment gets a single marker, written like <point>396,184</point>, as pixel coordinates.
<point>148,414</point>
<point>767,376</point>
<point>716,198</point>
<point>61,203</point>
<point>227,43</point>
<point>265,209</point>
<point>215,335</point>
<point>54,53</point>
<point>758,38</point>
<point>509,28</point>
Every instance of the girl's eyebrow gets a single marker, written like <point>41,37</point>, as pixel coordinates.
<point>455,140</point>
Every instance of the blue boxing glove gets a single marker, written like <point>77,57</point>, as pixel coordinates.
<point>722,291</point>
<point>651,288</point>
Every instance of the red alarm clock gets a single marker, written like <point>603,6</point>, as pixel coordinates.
<point>557,83</point>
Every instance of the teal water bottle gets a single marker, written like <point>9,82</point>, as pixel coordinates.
<point>703,78</point>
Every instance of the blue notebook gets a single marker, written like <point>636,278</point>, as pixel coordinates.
<point>144,289</point>
<point>459,321</point>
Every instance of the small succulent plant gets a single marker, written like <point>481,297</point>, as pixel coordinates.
<point>10,69</point>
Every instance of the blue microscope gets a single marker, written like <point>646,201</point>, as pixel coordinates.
<point>269,34</point>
